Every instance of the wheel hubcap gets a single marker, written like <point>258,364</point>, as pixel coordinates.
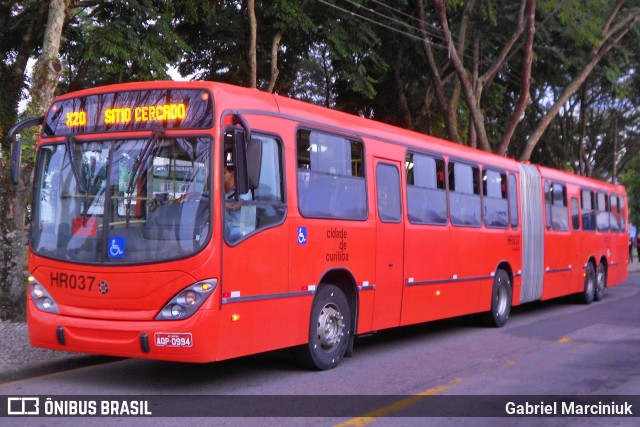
<point>330,327</point>
<point>600,280</point>
<point>590,284</point>
<point>501,301</point>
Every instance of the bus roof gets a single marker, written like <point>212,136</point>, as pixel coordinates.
<point>249,101</point>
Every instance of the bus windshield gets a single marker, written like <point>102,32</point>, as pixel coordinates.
<point>122,201</point>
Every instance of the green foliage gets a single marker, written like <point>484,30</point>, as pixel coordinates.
<point>20,37</point>
<point>581,20</point>
<point>119,41</point>
<point>631,180</point>
<point>354,54</point>
<point>367,60</point>
<point>218,36</point>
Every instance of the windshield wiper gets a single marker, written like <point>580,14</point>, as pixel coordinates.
<point>149,149</point>
<point>69,143</point>
<point>77,174</point>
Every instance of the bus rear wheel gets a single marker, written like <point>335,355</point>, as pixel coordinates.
<point>587,295</point>
<point>329,329</point>
<point>500,300</point>
<point>601,283</point>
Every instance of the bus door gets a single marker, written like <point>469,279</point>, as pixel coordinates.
<point>389,245</point>
<point>558,242</point>
<point>577,280</point>
<point>256,260</point>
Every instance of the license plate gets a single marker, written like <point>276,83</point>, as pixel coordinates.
<point>164,339</point>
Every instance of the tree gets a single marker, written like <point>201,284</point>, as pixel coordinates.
<point>631,180</point>
<point>106,43</point>
<point>116,42</point>
<point>473,90</point>
<point>620,21</point>
<point>288,35</point>
<point>21,24</point>
<point>253,40</point>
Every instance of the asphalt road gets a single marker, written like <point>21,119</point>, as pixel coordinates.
<point>546,353</point>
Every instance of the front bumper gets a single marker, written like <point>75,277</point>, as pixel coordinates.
<point>189,340</point>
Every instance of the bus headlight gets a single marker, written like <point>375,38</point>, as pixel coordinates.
<point>187,301</point>
<point>41,297</point>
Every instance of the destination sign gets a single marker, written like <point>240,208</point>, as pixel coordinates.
<point>130,110</point>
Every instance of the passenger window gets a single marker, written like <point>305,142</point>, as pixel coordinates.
<point>575,214</point>
<point>588,210</point>
<point>426,194</point>
<point>615,214</point>
<point>331,180</point>
<point>559,211</point>
<point>602,215</point>
<point>263,207</point>
<point>513,201</point>
<point>547,204</point>
<point>464,186</point>
<point>388,193</point>
<point>496,206</point>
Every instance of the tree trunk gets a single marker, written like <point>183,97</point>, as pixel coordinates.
<point>48,68</point>
<point>525,81</point>
<point>473,91</point>
<point>14,81</point>
<point>253,43</point>
<point>275,45</point>
<point>12,288</point>
<point>438,84</point>
<point>12,213</point>
<point>474,105</point>
<point>406,120</point>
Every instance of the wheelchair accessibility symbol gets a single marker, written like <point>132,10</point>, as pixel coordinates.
<point>302,235</point>
<point>116,247</point>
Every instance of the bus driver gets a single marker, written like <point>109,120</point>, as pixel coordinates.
<point>233,208</point>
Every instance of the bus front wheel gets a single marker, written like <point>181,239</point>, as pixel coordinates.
<point>328,329</point>
<point>500,300</point>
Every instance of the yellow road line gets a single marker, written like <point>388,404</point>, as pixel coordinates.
<point>55,374</point>
<point>397,406</point>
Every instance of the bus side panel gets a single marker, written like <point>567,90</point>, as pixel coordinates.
<point>262,325</point>
<point>438,301</point>
<point>617,263</point>
<point>475,252</point>
<point>576,242</point>
<point>557,264</point>
<point>427,250</point>
<point>255,295</point>
<point>346,247</point>
<point>623,251</point>
<point>611,253</point>
<point>589,241</point>
<point>558,256</point>
<point>623,269</point>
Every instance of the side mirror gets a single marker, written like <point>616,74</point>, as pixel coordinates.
<point>248,157</point>
<point>240,156</point>
<point>16,146</point>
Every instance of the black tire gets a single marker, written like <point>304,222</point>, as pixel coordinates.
<point>588,293</point>
<point>601,283</point>
<point>329,329</point>
<point>501,299</point>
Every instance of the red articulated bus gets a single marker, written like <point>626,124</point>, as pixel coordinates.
<point>199,222</point>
